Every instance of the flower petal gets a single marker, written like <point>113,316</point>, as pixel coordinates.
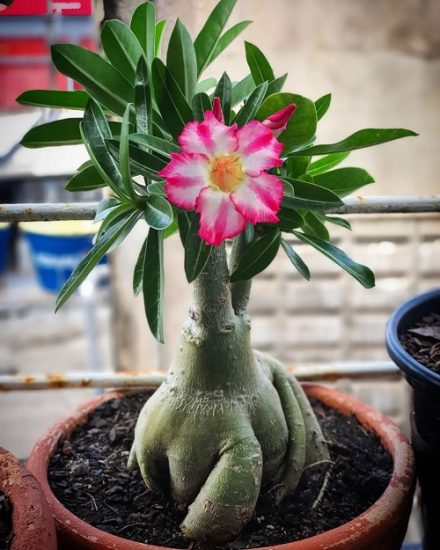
<point>277,122</point>
<point>258,198</point>
<point>186,175</point>
<point>258,148</point>
<point>219,220</point>
<point>210,137</point>
<point>218,110</point>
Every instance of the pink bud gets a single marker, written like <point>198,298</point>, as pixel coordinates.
<point>217,110</point>
<point>277,122</point>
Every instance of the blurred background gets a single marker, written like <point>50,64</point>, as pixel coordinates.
<point>381,61</point>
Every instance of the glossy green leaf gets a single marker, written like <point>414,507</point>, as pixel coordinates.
<point>276,85</point>
<point>359,140</point>
<point>342,222</point>
<point>121,48</point>
<point>138,273</point>
<point>96,131</point>
<point>181,60</point>
<point>257,256</point>
<point>196,251</point>
<point>55,133</point>
<point>124,160</point>
<point>87,178</point>
<point>141,162</point>
<point>157,188</point>
<point>114,235</point>
<point>160,30</point>
<point>172,104</point>
<point>143,99</point>
<point>249,233</point>
<point>242,90</point>
<point>159,145</point>
<point>153,283</point>
<point>200,104</point>
<point>104,207</point>
<point>206,85</point>
<point>111,217</point>
<point>301,127</point>
<point>314,226</point>
<point>158,212</point>
<point>360,272</point>
<point>344,181</point>
<point>296,260</point>
<point>259,66</point>
<point>54,98</point>
<point>208,38</point>
<point>326,163</point>
<point>252,105</point>
<point>296,167</point>
<point>229,36</point>
<point>322,105</point>
<point>143,26</point>
<point>103,82</point>
<point>173,228</point>
<point>289,219</point>
<point>310,196</point>
<point>185,220</point>
<point>224,92</point>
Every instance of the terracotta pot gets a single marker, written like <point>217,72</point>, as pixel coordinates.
<point>32,521</point>
<point>381,527</point>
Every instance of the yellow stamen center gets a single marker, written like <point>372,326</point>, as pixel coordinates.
<point>226,173</point>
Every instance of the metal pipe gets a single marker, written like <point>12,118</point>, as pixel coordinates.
<point>124,380</point>
<point>352,205</point>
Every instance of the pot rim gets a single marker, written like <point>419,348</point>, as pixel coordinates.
<point>29,507</point>
<point>386,511</point>
<point>404,360</point>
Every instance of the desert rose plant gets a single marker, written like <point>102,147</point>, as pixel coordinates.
<point>229,166</point>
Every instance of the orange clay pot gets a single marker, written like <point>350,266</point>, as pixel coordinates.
<point>32,522</point>
<point>381,527</point>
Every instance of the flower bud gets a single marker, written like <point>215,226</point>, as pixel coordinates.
<point>277,122</point>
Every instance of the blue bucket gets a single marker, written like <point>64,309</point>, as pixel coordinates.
<point>5,232</point>
<point>55,256</point>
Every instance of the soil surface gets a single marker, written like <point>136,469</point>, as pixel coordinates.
<point>422,341</point>
<point>6,532</point>
<point>88,475</point>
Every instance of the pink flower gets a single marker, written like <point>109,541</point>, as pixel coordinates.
<point>221,173</point>
<point>277,122</point>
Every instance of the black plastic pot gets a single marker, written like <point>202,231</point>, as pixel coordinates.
<point>425,417</point>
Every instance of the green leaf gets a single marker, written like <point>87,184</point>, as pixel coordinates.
<point>103,82</point>
<point>301,127</point>
<point>296,167</point>
<point>196,251</point>
<point>338,221</point>
<point>249,233</point>
<point>95,131</point>
<point>359,140</point>
<point>208,38</point>
<point>157,188</point>
<point>114,235</point>
<point>289,219</point>
<point>124,160</point>
<point>276,85</point>
<point>226,39</point>
<point>257,256</point>
<point>153,283</point>
<point>314,226</point>
<point>344,181</point>
<point>55,133</point>
<point>181,60</point>
<point>171,102</point>
<point>296,260</point>
<point>258,64</point>
<point>138,273</point>
<point>253,103</point>
<point>105,206</point>
<point>54,98</point>
<point>322,105</point>
<point>360,272</point>
<point>142,97</point>
<point>241,90</point>
<point>143,26</point>
<point>200,104</point>
<point>326,163</point>
<point>224,91</point>
<point>310,196</point>
<point>159,145</point>
<point>171,229</point>
<point>160,29</point>
<point>158,212</point>
<point>185,220</point>
<point>87,178</point>
<point>121,48</point>
<point>206,85</point>
<point>141,162</point>
<point>111,217</point>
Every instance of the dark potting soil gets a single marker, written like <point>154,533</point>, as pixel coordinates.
<point>6,532</point>
<point>88,475</point>
<point>422,341</point>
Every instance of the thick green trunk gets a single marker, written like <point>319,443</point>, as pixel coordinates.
<point>227,422</point>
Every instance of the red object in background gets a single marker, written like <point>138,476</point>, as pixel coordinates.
<point>72,7</point>
<point>26,7</point>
